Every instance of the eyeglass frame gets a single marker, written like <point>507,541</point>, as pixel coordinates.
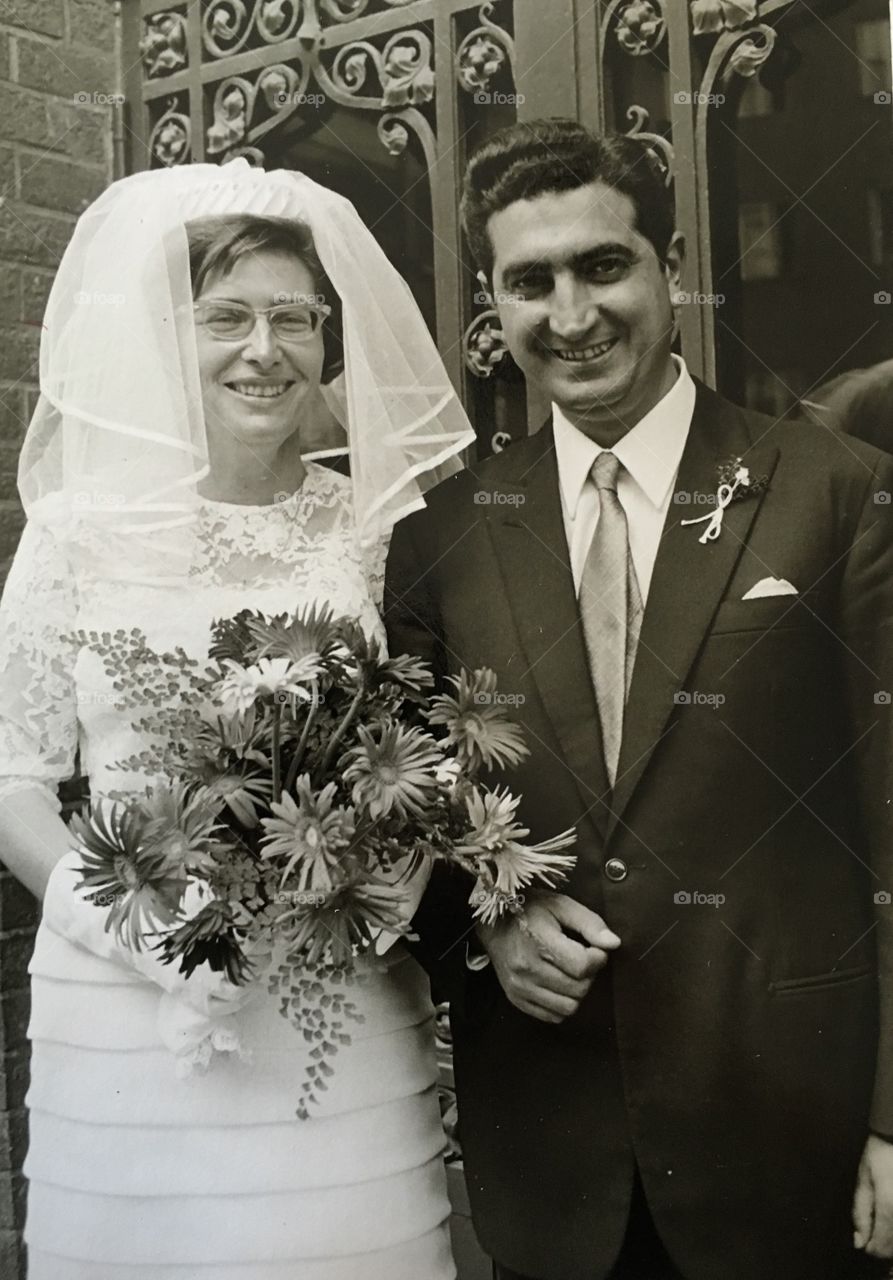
<point>321,309</point>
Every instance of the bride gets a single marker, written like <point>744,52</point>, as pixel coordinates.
<point>193,319</point>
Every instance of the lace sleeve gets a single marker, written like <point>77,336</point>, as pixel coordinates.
<point>38,705</point>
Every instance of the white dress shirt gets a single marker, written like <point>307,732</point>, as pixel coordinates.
<point>650,454</point>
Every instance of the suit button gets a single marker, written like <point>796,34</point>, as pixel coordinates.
<point>616,869</point>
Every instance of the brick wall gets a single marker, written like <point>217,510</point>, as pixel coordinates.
<point>58,68</point>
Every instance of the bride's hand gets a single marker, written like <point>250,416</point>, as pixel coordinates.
<point>194,1037</point>
<point>68,913</point>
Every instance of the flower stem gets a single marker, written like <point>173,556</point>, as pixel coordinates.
<point>338,736</point>
<point>277,765</point>
<point>302,742</point>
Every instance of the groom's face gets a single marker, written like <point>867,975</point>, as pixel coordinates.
<point>585,305</point>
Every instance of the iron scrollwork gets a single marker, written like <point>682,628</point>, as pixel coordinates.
<point>403,68</point>
<point>660,147</point>
<point>483,344</point>
<point>751,51</point>
<point>228,24</point>
<point>641,26</point>
<point>484,52</point>
<point>739,52</point>
<point>163,44</point>
<point>280,87</point>
<point>712,16</point>
<point>170,141</point>
<point>400,75</point>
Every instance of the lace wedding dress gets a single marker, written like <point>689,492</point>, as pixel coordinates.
<point>135,1172</point>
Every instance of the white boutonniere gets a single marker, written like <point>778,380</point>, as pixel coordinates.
<point>734,482</point>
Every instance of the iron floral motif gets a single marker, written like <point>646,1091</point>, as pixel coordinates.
<point>483,53</point>
<point>710,16</point>
<point>163,46</point>
<point>281,88</point>
<point>484,345</point>
<point>640,27</point>
<point>230,119</point>
<point>171,138</point>
<point>750,53</point>
<point>407,73</point>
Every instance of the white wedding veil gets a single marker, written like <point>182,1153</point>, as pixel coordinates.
<point>117,448</point>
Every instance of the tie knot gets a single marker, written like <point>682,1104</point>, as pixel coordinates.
<point>605,471</point>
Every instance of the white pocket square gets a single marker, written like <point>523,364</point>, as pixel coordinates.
<point>771,587</point>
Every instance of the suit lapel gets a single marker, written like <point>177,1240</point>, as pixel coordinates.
<point>688,582</point>
<point>529,540</point>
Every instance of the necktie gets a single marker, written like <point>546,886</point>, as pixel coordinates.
<point>610,609</point>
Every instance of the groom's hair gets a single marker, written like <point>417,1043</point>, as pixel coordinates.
<point>538,156</point>
<point>217,243</point>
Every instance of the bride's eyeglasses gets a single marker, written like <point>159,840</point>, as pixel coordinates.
<point>235,321</point>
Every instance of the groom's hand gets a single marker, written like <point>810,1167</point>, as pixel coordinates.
<point>873,1201</point>
<point>546,959</point>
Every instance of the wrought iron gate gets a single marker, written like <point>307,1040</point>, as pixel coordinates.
<point>775,118</point>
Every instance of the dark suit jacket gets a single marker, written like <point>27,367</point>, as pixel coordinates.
<point>729,1048</point>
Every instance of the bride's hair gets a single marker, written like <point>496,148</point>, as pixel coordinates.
<point>216,244</point>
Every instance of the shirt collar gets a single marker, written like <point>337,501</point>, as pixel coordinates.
<point>650,452</point>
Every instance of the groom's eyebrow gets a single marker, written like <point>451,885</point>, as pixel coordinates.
<point>516,271</point>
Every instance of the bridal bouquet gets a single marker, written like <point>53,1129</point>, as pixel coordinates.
<point>308,782</point>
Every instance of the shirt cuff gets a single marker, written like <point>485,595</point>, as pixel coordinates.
<point>476,957</point>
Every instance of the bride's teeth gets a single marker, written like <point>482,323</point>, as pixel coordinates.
<point>268,393</point>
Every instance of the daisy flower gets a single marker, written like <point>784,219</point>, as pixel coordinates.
<point>309,635</point>
<point>506,866</point>
<point>476,725</point>
<point>373,668</point>
<point>232,637</point>
<point>328,928</point>
<point>310,833</point>
<point>449,774</point>
<point>226,759</point>
<point>208,938</point>
<point>132,876</point>
<point>180,823</point>
<point>266,678</point>
<point>392,770</point>
<point>410,675</point>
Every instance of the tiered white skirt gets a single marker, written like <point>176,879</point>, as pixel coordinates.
<point>136,1174</point>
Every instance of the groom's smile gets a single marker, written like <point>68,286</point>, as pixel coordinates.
<point>585,304</point>
<point>585,355</point>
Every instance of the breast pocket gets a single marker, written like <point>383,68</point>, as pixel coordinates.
<point>768,612</point>
<point>823,981</point>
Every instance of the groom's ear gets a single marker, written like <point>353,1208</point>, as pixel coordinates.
<point>674,261</point>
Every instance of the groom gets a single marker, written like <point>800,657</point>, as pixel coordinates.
<point>682,1065</point>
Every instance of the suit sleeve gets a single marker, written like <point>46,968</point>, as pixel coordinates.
<point>867,641</point>
<point>412,619</point>
<point>411,615</point>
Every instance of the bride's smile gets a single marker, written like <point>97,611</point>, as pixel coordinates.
<point>257,377</point>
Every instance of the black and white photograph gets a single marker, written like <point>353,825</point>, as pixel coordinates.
<point>446,640</point>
